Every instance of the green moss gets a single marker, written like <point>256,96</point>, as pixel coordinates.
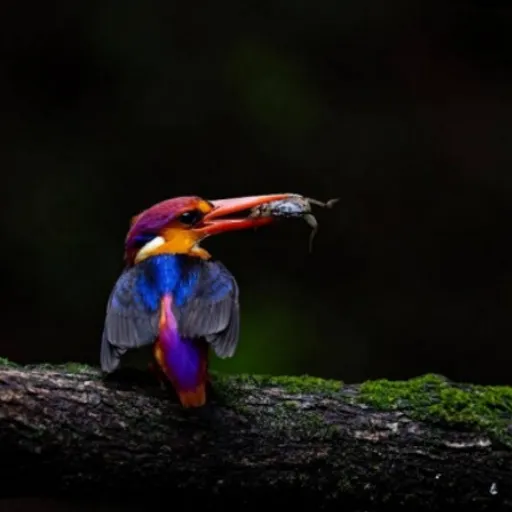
<point>303,384</point>
<point>430,397</point>
<point>291,404</point>
<point>287,413</point>
<point>70,367</point>
<point>6,362</point>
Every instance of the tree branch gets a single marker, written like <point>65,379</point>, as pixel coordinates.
<point>423,444</point>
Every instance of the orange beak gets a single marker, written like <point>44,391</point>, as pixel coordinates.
<point>215,222</point>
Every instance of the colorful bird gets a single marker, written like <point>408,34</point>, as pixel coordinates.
<point>172,296</point>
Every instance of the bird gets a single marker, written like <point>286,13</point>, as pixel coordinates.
<point>172,297</point>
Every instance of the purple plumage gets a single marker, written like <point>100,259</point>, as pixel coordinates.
<point>183,361</point>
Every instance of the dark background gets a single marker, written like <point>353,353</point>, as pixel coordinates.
<point>400,108</point>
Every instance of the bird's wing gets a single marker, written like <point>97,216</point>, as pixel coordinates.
<point>212,312</point>
<point>129,323</point>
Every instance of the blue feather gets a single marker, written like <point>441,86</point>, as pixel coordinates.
<point>165,274</point>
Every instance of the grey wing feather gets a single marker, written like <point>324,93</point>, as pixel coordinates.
<point>213,311</point>
<point>129,324</point>
<point>225,342</point>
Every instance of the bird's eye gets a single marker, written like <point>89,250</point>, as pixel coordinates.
<point>191,217</point>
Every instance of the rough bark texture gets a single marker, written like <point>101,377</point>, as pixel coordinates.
<point>261,441</point>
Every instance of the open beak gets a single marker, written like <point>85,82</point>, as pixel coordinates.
<point>216,222</point>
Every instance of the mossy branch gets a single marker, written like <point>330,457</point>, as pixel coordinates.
<point>420,444</point>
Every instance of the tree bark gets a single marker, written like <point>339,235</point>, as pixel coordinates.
<point>68,432</point>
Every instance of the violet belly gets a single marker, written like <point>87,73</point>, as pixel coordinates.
<point>181,356</point>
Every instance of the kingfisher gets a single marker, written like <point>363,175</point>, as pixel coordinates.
<point>172,296</point>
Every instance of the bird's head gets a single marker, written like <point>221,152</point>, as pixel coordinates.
<point>177,226</point>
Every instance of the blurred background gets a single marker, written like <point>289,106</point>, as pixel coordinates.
<point>401,109</point>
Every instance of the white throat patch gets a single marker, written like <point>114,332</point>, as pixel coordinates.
<point>150,246</point>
